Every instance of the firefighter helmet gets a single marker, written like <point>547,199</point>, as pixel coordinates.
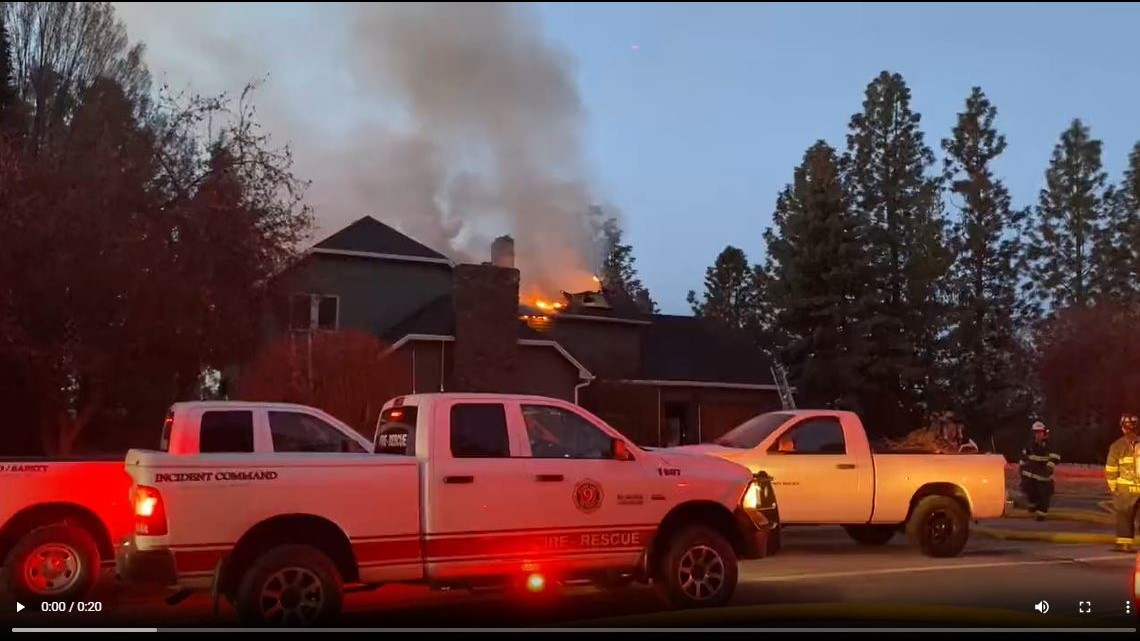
<point>1038,426</point>
<point>1129,423</point>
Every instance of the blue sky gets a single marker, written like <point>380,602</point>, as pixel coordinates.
<point>697,113</point>
<point>696,130</point>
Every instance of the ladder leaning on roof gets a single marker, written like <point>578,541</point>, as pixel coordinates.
<point>780,375</point>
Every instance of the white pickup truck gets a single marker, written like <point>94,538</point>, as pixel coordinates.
<point>464,490</point>
<point>60,519</point>
<point>824,472</point>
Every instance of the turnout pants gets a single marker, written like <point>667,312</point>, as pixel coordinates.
<point>1124,504</point>
<point>1037,493</point>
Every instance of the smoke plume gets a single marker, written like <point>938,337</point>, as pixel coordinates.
<point>454,122</point>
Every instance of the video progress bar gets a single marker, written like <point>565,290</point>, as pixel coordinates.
<point>581,630</point>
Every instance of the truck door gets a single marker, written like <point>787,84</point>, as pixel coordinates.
<point>817,476</point>
<point>478,516</point>
<point>597,506</point>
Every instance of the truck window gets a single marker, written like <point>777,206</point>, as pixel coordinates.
<point>558,433</point>
<point>823,435</point>
<point>167,425</point>
<point>752,432</point>
<point>228,431</point>
<point>479,430</point>
<point>396,431</point>
<point>299,432</point>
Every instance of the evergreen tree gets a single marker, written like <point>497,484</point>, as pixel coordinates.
<point>730,294</point>
<point>988,386</point>
<point>618,273</point>
<point>1069,221</point>
<point>816,274</point>
<point>1118,246</point>
<point>899,202</point>
<point>8,97</point>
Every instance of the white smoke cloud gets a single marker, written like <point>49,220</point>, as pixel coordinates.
<point>454,122</point>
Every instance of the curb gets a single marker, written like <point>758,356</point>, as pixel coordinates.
<point>1079,516</point>
<point>1067,538</point>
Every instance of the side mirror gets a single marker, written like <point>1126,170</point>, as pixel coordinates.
<point>619,451</point>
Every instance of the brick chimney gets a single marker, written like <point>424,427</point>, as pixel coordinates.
<point>486,299</point>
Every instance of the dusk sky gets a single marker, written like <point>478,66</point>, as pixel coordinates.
<point>696,114</point>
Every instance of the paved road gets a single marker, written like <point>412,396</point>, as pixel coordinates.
<point>819,566</point>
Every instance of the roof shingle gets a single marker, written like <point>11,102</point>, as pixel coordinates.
<point>687,348</point>
<point>374,237</point>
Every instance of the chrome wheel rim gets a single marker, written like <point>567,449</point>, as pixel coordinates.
<point>701,573</point>
<point>291,597</point>
<point>51,568</point>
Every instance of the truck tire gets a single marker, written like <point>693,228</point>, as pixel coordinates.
<point>698,569</point>
<point>939,526</point>
<point>290,586</point>
<point>871,534</point>
<point>58,562</point>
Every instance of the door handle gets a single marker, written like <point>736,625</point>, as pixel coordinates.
<point>455,480</point>
<point>846,466</point>
<point>549,478</point>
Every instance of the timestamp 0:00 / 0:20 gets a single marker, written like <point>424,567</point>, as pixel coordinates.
<point>71,606</point>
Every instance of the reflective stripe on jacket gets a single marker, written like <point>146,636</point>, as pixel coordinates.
<point>1120,467</point>
<point>1037,461</point>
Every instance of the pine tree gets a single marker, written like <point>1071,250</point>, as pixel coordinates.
<point>815,277</point>
<point>730,294</point>
<point>988,386</point>
<point>899,202</point>
<point>9,100</point>
<point>618,272</point>
<point>1118,249</point>
<point>1068,224</point>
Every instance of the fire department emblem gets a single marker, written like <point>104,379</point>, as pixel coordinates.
<point>587,496</point>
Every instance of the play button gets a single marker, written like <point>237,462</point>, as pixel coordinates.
<point>19,606</point>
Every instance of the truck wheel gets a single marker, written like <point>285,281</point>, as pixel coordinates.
<point>290,586</point>
<point>871,534</point>
<point>698,569</point>
<point>57,562</point>
<point>939,526</point>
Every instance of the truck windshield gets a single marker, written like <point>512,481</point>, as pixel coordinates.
<point>750,433</point>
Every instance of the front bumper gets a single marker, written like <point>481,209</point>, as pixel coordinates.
<point>151,567</point>
<point>760,528</point>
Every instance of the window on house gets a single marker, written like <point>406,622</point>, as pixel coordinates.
<point>558,433</point>
<point>479,430</point>
<point>314,311</point>
<point>230,431</point>
<point>297,432</point>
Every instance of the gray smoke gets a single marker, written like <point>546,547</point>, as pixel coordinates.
<point>464,123</point>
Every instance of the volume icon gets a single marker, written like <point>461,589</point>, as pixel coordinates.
<point>1042,606</point>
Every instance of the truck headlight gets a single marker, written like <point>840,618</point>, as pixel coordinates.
<point>751,499</point>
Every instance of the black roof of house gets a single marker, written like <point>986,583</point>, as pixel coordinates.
<point>372,236</point>
<point>437,318</point>
<point>687,348</point>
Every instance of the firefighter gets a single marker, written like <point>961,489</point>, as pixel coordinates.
<point>1037,463</point>
<point>1120,470</point>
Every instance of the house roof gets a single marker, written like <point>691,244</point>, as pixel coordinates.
<point>437,318</point>
<point>368,236</point>
<point>687,348</point>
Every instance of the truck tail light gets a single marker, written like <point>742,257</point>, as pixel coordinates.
<point>150,514</point>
